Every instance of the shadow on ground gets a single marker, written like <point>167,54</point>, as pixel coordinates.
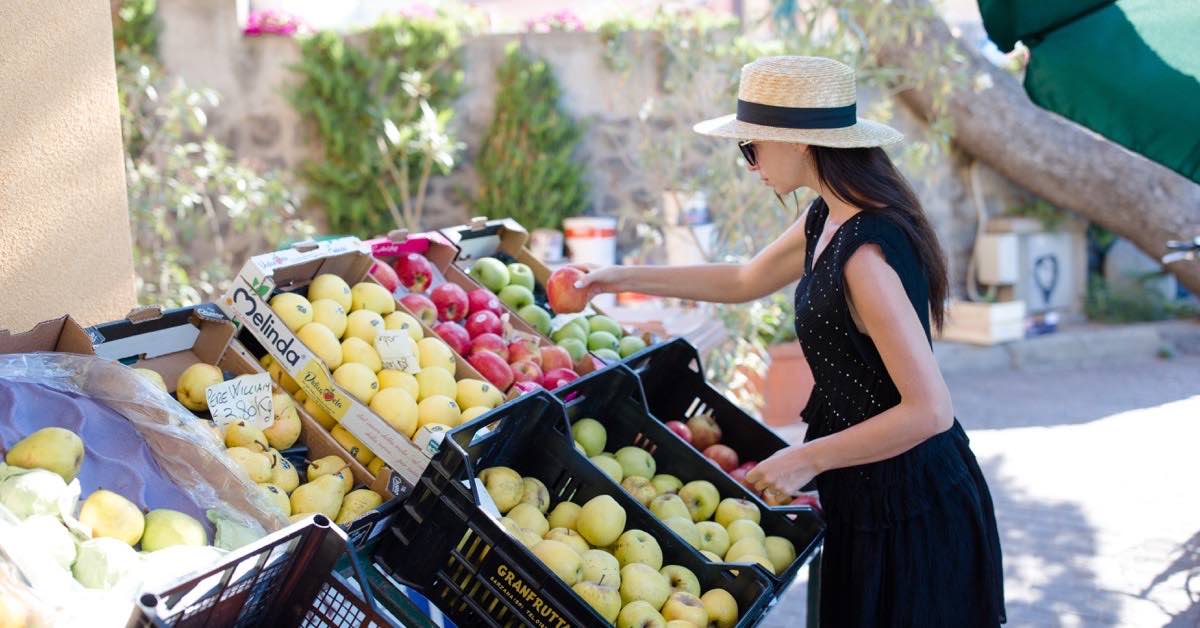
<point>1187,564</point>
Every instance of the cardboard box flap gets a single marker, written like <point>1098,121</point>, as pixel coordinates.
<point>63,335</point>
<point>483,238</point>
<point>167,342</point>
<point>355,264</point>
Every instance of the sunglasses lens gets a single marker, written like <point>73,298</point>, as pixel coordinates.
<point>748,153</point>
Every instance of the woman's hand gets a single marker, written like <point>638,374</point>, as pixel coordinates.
<point>599,279</point>
<point>786,471</point>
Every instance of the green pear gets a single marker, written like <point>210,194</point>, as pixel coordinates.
<point>50,448</point>
<point>323,495</point>
<point>357,503</point>
<point>165,528</point>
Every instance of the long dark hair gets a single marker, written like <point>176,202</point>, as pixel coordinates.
<point>867,179</point>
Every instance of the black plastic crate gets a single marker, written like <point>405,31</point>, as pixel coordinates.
<point>673,380</point>
<point>614,397</point>
<point>285,579</point>
<point>444,545</point>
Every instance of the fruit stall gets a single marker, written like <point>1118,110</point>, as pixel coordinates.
<point>428,429</point>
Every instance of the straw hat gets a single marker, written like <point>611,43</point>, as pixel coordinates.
<point>807,100</point>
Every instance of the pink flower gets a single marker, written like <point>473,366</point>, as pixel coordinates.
<point>272,22</point>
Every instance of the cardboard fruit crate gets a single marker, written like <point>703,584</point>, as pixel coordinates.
<point>62,335</point>
<point>446,545</point>
<point>614,397</point>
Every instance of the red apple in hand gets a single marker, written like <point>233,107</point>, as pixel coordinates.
<point>416,273</point>
<point>564,297</point>
<point>484,323</point>
<point>680,430</point>
<point>385,276</point>
<point>557,377</point>
<point>455,336</point>
<point>555,357</point>
<point>492,343</point>
<point>526,371</point>
<point>725,457</point>
<point>492,368</point>
<point>741,472</point>
<point>451,302</point>
<point>421,307</point>
<point>705,431</point>
<point>481,299</point>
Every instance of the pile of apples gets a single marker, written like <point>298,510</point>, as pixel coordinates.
<point>724,530</point>
<point>339,324</point>
<point>618,572</point>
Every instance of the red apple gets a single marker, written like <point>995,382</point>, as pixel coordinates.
<point>564,297</point>
<point>680,430</point>
<point>555,357</point>
<point>492,368</point>
<point>524,349</point>
<point>385,276</point>
<point>557,377</point>
<point>416,273</point>
<point>484,323</point>
<point>527,387</point>
<point>723,455</point>
<point>456,336</point>
<point>451,302</point>
<point>705,431</point>
<point>481,299</point>
<point>526,371</point>
<point>490,342</point>
<point>421,307</point>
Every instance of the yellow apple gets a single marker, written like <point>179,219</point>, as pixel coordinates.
<point>357,350</point>
<point>642,582</point>
<point>376,466</point>
<point>536,494</point>
<point>668,505</point>
<point>601,521</point>
<point>364,325</point>
<point>403,321</point>
<point>713,537</point>
<point>373,297</point>
<point>473,413</point>
<point>637,546</point>
<point>601,567</point>
<point>294,310</point>
<point>352,445</point>
<point>745,529</point>
<point>435,352</point>
<point>686,529</point>
<point>434,380</point>
<point>640,614</point>
<point>570,538</point>
<point>605,599</point>
<point>153,377</point>
<point>745,548</point>
<point>561,559</point>
<point>192,384</point>
<point>398,408</point>
<point>319,415</point>
<point>438,409</point>
<point>474,393</point>
<point>610,467</point>
<point>722,609</point>
<point>564,515</point>
<point>781,552</point>
<point>321,341</point>
<point>331,314</point>
<point>681,579</point>
<point>685,606</point>
<point>332,287</point>
<point>391,378</point>
<point>358,379</point>
<point>529,517</point>
<point>731,509</point>
<point>504,485</point>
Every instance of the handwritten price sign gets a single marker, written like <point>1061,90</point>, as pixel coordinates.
<point>397,351</point>
<point>246,398</point>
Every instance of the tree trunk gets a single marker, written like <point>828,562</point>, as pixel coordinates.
<point>1060,161</point>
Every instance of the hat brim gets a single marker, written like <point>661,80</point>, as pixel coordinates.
<point>864,133</point>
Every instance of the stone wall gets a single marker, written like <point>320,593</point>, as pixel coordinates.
<point>202,43</point>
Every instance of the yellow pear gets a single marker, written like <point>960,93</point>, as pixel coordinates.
<point>332,465</point>
<point>319,414</point>
<point>257,464</point>
<point>403,321</point>
<point>356,503</point>
<point>373,297</point>
<point>365,325</point>
<point>278,497</point>
<point>294,310</point>
<point>439,409</point>
<point>358,380</point>
<point>398,408</point>
<point>434,380</point>
<point>376,465</point>
<point>331,314</point>
<point>193,383</point>
<point>391,378</point>
<point>323,495</point>
<point>357,350</point>
<point>241,435</point>
<point>165,528</point>
<point>435,352</point>
<point>352,445</point>
<point>283,472</point>
<point>321,341</point>
<point>111,515</point>
<point>50,448</point>
<point>331,287</point>
<point>153,377</point>
<point>285,431</point>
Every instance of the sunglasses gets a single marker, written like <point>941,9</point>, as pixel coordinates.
<point>747,148</point>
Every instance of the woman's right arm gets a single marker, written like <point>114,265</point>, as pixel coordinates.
<point>779,264</point>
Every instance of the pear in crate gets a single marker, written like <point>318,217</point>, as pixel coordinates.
<point>242,435</point>
<point>51,448</point>
<point>257,464</point>
<point>111,515</point>
<point>332,465</point>
<point>356,503</point>
<point>323,495</point>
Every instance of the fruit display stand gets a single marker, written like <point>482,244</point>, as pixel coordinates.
<point>615,399</point>
<point>444,543</point>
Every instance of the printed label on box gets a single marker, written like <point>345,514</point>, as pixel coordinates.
<point>398,351</point>
<point>246,398</point>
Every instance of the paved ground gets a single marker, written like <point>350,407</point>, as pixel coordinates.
<point>1095,475</point>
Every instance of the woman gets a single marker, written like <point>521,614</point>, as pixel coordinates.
<point>911,537</point>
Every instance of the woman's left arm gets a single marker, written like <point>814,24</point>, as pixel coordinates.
<point>924,410</point>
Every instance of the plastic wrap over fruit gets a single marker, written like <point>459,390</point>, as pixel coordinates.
<point>30,492</point>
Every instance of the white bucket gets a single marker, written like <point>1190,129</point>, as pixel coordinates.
<point>591,239</point>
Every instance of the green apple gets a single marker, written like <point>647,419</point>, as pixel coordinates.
<point>610,467</point>
<point>681,579</point>
<point>685,607</point>
<point>747,547</point>
<point>602,340</point>
<point>732,509</point>
<point>641,582</point>
<point>491,273</point>
<point>605,599</point>
<point>529,517</point>
<point>636,461</point>
<point>608,355</point>
<point>504,485</point>
<point>630,345</point>
<point>580,449</point>
<point>575,347</point>
<point>603,323</point>
<point>582,323</point>
<point>515,297</point>
<point>637,546</point>
<point>745,529</point>
<point>701,498</point>
<point>536,494</point>
<point>520,275</point>
<point>722,608</point>
<point>711,557</point>
<point>669,505</point>
<point>570,331</point>
<point>591,434</point>
<point>567,537</point>
<point>686,529</point>
<point>561,559</point>
<point>537,317</point>
<point>713,537</point>
<point>666,483</point>
<point>601,521</point>
<point>639,488</point>
<point>640,614</point>
<point>564,515</point>
<point>781,552</point>
<point>601,567</point>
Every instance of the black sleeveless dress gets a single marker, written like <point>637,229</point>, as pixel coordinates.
<point>912,540</point>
